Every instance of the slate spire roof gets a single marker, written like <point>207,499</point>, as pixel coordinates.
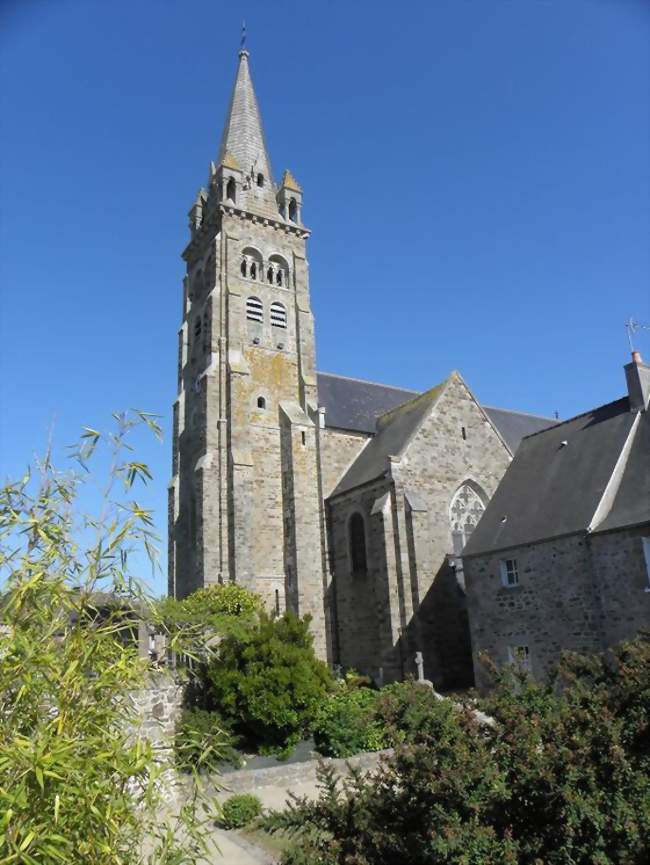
<point>243,136</point>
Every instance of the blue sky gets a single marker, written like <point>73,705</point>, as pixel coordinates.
<point>475,175</point>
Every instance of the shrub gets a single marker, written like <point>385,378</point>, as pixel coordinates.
<point>405,711</point>
<point>224,609</point>
<point>345,723</point>
<point>562,777</point>
<point>240,810</point>
<point>267,682</point>
<point>202,741</point>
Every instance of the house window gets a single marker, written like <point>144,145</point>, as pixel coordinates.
<point>278,314</point>
<point>465,510</point>
<point>357,540</point>
<point>520,656</point>
<point>646,554</point>
<point>254,309</point>
<point>509,572</point>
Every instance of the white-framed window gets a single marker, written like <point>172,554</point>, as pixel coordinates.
<point>645,542</point>
<point>254,309</point>
<point>509,572</point>
<point>519,654</point>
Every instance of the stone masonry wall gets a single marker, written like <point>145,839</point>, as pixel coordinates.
<point>436,463</point>
<point>158,707</point>
<point>553,607</point>
<point>623,582</point>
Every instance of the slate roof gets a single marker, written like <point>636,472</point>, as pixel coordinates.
<point>632,503</point>
<point>394,431</point>
<point>354,405</point>
<point>556,481</point>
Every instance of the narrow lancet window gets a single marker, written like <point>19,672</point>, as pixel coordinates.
<point>357,540</point>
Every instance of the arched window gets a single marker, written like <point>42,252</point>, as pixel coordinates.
<point>278,314</point>
<point>466,509</point>
<point>231,189</point>
<point>261,402</point>
<point>252,265</point>
<point>269,275</point>
<point>357,541</point>
<point>293,210</point>
<point>254,309</point>
<point>260,180</point>
<point>278,270</point>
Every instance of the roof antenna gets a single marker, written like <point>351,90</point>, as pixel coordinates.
<point>242,41</point>
<point>632,327</point>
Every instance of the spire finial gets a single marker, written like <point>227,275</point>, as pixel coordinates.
<point>242,41</point>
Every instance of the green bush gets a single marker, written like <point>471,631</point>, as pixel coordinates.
<point>267,682</point>
<point>240,810</point>
<point>562,777</point>
<point>224,608</point>
<point>202,741</point>
<point>405,711</point>
<point>345,723</point>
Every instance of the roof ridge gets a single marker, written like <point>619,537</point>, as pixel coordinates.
<point>431,394</point>
<point>577,416</point>
<point>367,381</point>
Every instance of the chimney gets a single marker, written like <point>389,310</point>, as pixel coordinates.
<point>637,374</point>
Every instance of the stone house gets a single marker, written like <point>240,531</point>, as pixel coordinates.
<point>327,495</point>
<point>561,557</point>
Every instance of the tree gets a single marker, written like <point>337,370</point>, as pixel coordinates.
<point>77,781</point>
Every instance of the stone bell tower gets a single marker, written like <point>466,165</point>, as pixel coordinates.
<point>244,499</point>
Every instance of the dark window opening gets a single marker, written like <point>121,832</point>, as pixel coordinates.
<point>197,328</point>
<point>261,402</point>
<point>260,180</point>
<point>277,602</point>
<point>231,189</point>
<point>293,210</point>
<point>464,433</point>
<point>253,273</point>
<point>357,533</point>
<point>303,436</point>
<point>243,267</point>
<point>278,277</point>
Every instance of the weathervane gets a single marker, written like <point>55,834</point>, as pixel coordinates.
<point>632,327</point>
<point>242,42</point>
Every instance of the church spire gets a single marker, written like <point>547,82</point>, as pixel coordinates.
<point>243,138</point>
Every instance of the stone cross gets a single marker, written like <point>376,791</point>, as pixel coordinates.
<point>419,663</point>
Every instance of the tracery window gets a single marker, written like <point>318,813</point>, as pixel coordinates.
<point>465,511</point>
<point>357,541</point>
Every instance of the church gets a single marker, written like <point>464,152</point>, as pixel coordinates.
<point>347,500</point>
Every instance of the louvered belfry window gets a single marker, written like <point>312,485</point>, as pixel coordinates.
<point>254,309</point>
<point>278,315</point>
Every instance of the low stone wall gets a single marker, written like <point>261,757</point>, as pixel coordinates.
<point>249,780</point>
<point>158,707</point>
